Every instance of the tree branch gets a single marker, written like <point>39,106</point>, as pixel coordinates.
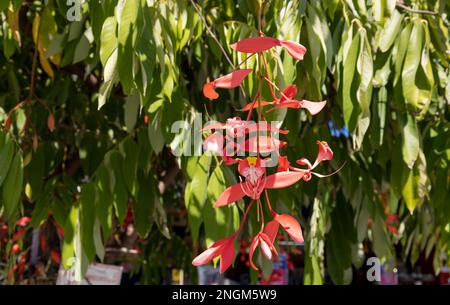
<point>411,10</point>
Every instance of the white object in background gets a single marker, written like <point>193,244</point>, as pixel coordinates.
<point>97,274</point>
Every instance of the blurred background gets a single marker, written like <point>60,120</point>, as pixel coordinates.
<point>88,94</point>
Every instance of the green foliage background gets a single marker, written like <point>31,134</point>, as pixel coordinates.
<point>382,66</point>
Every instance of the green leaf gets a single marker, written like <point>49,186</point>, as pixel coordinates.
<point>410,139</point>
<point>195,195</point>
<point>357,84</point>
<point>131,109</point>
<point>380,239</point>
<point>364,92</point>
<point>110,78</point>
<point>126,39</point>
<point>155,134</point>
<point>390,31</point>
<point>6,155</point>
<point>120,194</point>
<point>87,219</point>
<point>82,50</point>
<point>35,171</point>
<point>339,242</point>
<point>105,183</point>
<point>12,187</point>
<point>145,204</point>
<point>160,217</point>
<point>416,183</point>
<point>130,151</point>
<point>108,40</point>
<point>417,77</point>
<point>351,108</point>
<point>401,47</point>
<point>98,242</point>
<point>68,254</point>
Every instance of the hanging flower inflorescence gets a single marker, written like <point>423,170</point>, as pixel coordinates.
<point>254,180</point>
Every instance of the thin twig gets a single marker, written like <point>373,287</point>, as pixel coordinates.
<point>411,10</point>
<point>276,88</point>
<point>210,32</point>
<point>33,76</point>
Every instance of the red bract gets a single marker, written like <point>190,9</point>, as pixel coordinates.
<point>313,107</point>
<point>286,101</point>
<point>238,137</point>
<point>267,247</point>
<point>231,80</point>
<point>260,44</point>
<point>223,248</point>
<point>291,226</point>
<point>288,93</point>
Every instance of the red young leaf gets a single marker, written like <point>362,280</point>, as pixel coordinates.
<point>290,92</point>
<point>227,256</point>
<point>291,225</point>
<point>232,80</point>
<point>283,179</point>
<point>209,92</point>
<point>271,229</point>
<point>255,44</point>
<point>230,195</point>
<point>313,107</point>
<point>207,255</point>
<point>294,49</point>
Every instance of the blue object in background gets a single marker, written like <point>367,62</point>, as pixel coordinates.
<point>336,133</point>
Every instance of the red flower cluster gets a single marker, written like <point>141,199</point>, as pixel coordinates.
<point>254,180</point>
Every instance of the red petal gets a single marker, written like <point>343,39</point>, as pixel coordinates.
<point>289,104</point>
<point>269,243</point>
<point>209,92</point>
<point>255,44</point>
<point>232,80</point>
<point>265,127</point>
<point>290,92</point>
<point>325,153</point>
<point>291,225</point>
<point>265,249</point>
<point>313,107</point>
<point>283,179</point>
<point>252,251</point>
<point>230,195</point>
<point>214,143</point>
<point>283,163</point>
<point>227,256</point>
<point>271,229</point>
<point>294,49</point>
<point>207,255</point>
<point>266,144</point>
<point>255,105</point>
